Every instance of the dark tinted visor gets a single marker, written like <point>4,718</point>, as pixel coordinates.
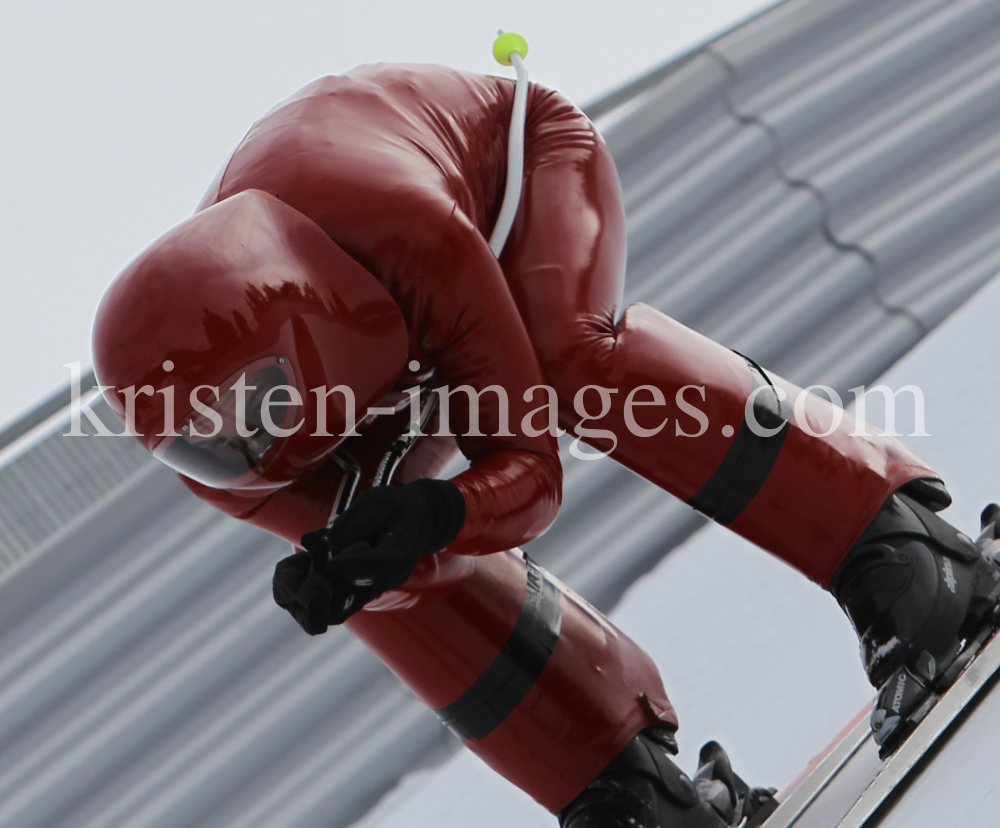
<point>232,443</point>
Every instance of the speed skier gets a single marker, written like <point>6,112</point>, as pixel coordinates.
<point>338,263</point>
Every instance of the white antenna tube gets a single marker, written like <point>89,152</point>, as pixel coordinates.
<point>513,48</point>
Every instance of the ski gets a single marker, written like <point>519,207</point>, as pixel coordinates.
<point>851,784</point>
<point>817,791</point>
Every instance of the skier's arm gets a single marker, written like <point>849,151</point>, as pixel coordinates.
<point>474,336</point>
<point>471,332</point>
<point>300,507</point>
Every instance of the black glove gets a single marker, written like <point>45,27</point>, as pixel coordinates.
<point>303,586</point>
<point>371,548</point>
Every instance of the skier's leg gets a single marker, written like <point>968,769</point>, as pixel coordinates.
<point>784,470</point>
<point>804,487</point>
<point>805,490</point>
<point>533,679</point>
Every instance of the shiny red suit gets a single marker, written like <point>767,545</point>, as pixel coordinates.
<point>404,168</point>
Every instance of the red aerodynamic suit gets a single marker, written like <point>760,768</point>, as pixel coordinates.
<point>404,168</point>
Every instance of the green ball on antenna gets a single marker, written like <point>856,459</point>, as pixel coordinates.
<point>507,44</point>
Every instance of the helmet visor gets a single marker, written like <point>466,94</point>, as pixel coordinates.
<point>233,439</point>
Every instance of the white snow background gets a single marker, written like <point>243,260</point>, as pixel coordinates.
<point>752,654</point>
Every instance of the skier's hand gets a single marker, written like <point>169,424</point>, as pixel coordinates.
<point>380,539</point>
<point>304,588</point>
<point>371,548</point>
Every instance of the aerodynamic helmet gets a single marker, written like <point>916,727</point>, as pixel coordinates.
<point>221,342</point>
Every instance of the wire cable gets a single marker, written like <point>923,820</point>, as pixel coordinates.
<point>511,53</point>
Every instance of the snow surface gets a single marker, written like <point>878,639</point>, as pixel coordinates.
<point>754,655</point>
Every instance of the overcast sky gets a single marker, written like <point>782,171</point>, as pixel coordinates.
<point>116,115</point>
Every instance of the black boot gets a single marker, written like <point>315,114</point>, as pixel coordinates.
<point>917,591</point>
<point>642,788</point>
